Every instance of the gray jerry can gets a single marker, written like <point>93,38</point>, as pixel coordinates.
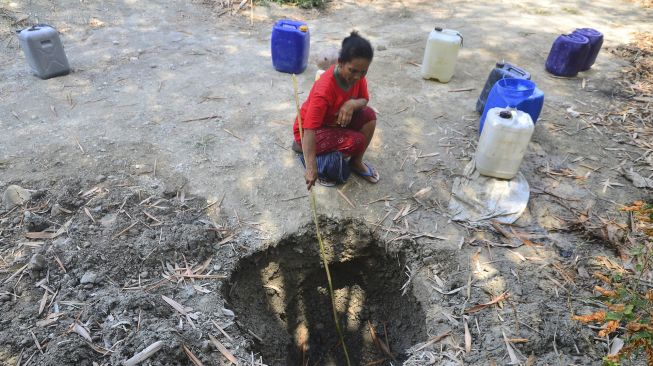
<point>44,51</point>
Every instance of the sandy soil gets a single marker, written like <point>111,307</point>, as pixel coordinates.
<point>225,185</point>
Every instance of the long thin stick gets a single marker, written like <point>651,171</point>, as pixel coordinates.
<point>317,231</point>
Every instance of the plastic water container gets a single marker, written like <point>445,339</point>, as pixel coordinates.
<point>44,51</point>
<point>290,46</point>
<point>531,104</point>
<point>503,143</point>
<point>568,54</point>
<point>503,70</point>
<point>440,54</point>
<point>596,41</point>
<point>318,74</point>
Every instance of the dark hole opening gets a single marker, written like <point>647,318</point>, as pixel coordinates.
<point>281,295</point>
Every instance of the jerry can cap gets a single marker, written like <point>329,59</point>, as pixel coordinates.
<point>303,28</point>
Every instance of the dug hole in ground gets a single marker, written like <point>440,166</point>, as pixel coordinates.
<point>154,213</point>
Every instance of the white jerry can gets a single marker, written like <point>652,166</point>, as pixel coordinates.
<point>503,142</point>
<point>440,54</point>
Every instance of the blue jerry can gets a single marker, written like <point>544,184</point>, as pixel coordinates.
<point>503,70</point>
<point>568,54</point>
<point>532,104</point>
<point>596,41</point>
<point>290,46</point>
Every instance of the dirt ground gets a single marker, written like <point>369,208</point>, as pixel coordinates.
<point>164,159</point>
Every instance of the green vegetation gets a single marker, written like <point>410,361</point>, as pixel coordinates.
<point>627,294</point>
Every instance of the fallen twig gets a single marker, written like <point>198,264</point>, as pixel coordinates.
<point>36,342</point>
<point>434,340</point>
<point>124,231</point>
<point>479,307</point>
<point>380,344</point>
<point>222,330</point>
<point>346,198</point>
<point>232,134</point>
<point>201,118</point>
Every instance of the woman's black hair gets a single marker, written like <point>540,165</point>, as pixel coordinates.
<point>355,46</point>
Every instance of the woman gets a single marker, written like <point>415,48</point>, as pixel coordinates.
<point>335,117</point>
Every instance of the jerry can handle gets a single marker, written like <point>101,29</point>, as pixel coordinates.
<point>290,24</point>
<point>40,25</point>
<point>33,28</point>
<point>440,29</point>
<point>518,70</point>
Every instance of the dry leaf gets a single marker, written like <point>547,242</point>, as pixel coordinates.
<point>227,239</point>
<point>636,206</point>
<point>636,327</point>
<point>518,255</point>
<point>95,23</point>
<point>514,360</point>
<point>617,345</point>
<point>144,354</point>
<point>604,292</point>
<point>79,329</point>
<point>225,352</point>
<point>201,289</point>
<point>609,328</point>
<point>598,316</point>
<point>448,292</point>
<point>196,361</point>
<point>476,260</point>
<point>438,280</point>
<point>40,235</point>
<point>50,319</point>
<point>649,295</point>
<point>88,213</point>
<point>602,277</point>
<point>468,337</point>
<point>380,344</point>
<point>422,192</point>
<point>44,300</point>
<point>638,180</point>
<point>182,310</point>
<point>617,307</point>
<point>530,361</point>
<point>177,306</point>
<point>434,340</point>
<point>90,192</point>
<point>222,331</point>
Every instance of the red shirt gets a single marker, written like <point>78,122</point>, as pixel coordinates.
<point>325,99</point>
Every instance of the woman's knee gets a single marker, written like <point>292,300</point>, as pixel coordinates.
<point>368,114</point>
<point>362,118</point>
<point>357,142</point>
<point>371,124</point>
